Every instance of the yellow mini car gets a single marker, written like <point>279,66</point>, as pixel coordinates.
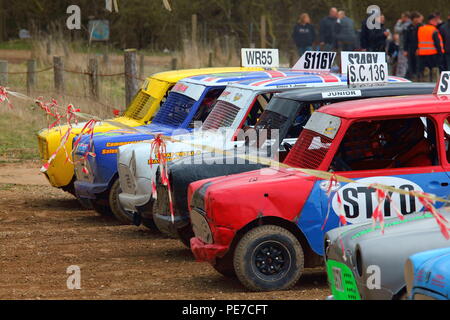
<point>140,112</point>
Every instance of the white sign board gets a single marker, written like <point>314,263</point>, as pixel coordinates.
<point>260,58</point>
<point>341,93</point>
<point>315,61</point>
<point>351,57</point>
<point>444,83</point>
<point>367,73</point>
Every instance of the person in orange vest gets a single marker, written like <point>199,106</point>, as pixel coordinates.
<point>430,48</point>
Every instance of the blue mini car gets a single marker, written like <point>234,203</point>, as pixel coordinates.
<point>190,100</point>
<point>427,275</point>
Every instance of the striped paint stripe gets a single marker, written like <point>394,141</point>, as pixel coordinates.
<point>329,77</point>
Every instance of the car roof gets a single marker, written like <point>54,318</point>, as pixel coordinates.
<point>393,106</point>
<point>304,80</point>
<point>339,93</point>
<point>221,79</point>
<point>176,75</point>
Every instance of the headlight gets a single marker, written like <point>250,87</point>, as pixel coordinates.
<point>409,276</point>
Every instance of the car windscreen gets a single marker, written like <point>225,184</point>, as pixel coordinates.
<point>288,116</point>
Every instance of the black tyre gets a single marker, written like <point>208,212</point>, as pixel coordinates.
<point>268,258</point>
<point>116,208</point>
<point>149,223</point>
<point>85,203</point>
<point>185,234</point>
<point>101,208</point>
<point>225,266</point>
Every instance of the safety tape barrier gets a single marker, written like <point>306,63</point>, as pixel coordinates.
<point>158,149</point>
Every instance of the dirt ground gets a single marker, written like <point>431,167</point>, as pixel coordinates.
<point>43,231</point>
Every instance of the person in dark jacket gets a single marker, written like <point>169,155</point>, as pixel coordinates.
<point>393,50</point>
<point>346,35</point>
<point>304,34</point>
<point>328,31</point>
<point>374,39</point>
<point>445,32</point>
<point>410,44</point>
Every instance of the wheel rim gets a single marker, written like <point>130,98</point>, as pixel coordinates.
<point>271,258</point>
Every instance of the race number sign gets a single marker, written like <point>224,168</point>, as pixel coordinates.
<point>349,58</point>
<point>260,58</point>
<point>367,73</point>
<point>444,83</point>
<point>315,61</point>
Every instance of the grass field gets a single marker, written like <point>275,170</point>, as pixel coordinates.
<point>19,125</point>
<point>18,137</point>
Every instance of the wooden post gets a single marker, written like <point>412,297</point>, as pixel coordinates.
<point>210,59</point>
<point>93,79</point>
<point>194,30</point>
<point>141,66</point>
<point>31,76</point>
<point>2,21</point>
<point>49,47</point>
<point>174,63</point>
<point>131,81</point>
<point>58,69</point>
<point>3,73</point>
<point>105,59</point>
<point>263,31</point>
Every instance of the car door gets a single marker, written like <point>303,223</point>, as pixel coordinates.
<point>405,153</point>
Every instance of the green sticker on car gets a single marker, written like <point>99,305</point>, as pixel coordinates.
<point>342,282</point>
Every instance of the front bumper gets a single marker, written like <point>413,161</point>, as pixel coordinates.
<point>87,190</point>
<point>204,252</point>
<point>165,225</point>
<point>132,202</point>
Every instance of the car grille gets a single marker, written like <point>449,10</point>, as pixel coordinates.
<point>127,182</point>
<point>162,203</point>
<point>139,106</point>
<point>200,226</point>
<point>82,176</point>
<point>43,148</point>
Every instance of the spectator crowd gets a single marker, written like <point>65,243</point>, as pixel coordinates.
<point>416,48</point>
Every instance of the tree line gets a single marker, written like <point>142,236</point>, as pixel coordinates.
<point>148,24</point>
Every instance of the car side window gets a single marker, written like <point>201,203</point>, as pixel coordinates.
<point>384,144</point>
<point>447,137</point>
<point>257,109</point>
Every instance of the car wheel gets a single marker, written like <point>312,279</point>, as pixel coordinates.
<point>149,223</point>
<point>99,206</point>
<point>268,258</point>
<point>225,266</point>
<point>85,203</point>
<point>116,208</point>
<point>185,234</point>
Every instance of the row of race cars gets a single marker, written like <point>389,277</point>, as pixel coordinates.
<point>254,189</point>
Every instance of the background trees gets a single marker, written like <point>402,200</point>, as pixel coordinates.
<point>147,24</point>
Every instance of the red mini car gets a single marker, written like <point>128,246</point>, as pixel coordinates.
<point>266,226</point>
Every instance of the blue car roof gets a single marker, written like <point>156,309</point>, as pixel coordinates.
<point>223,78</point>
